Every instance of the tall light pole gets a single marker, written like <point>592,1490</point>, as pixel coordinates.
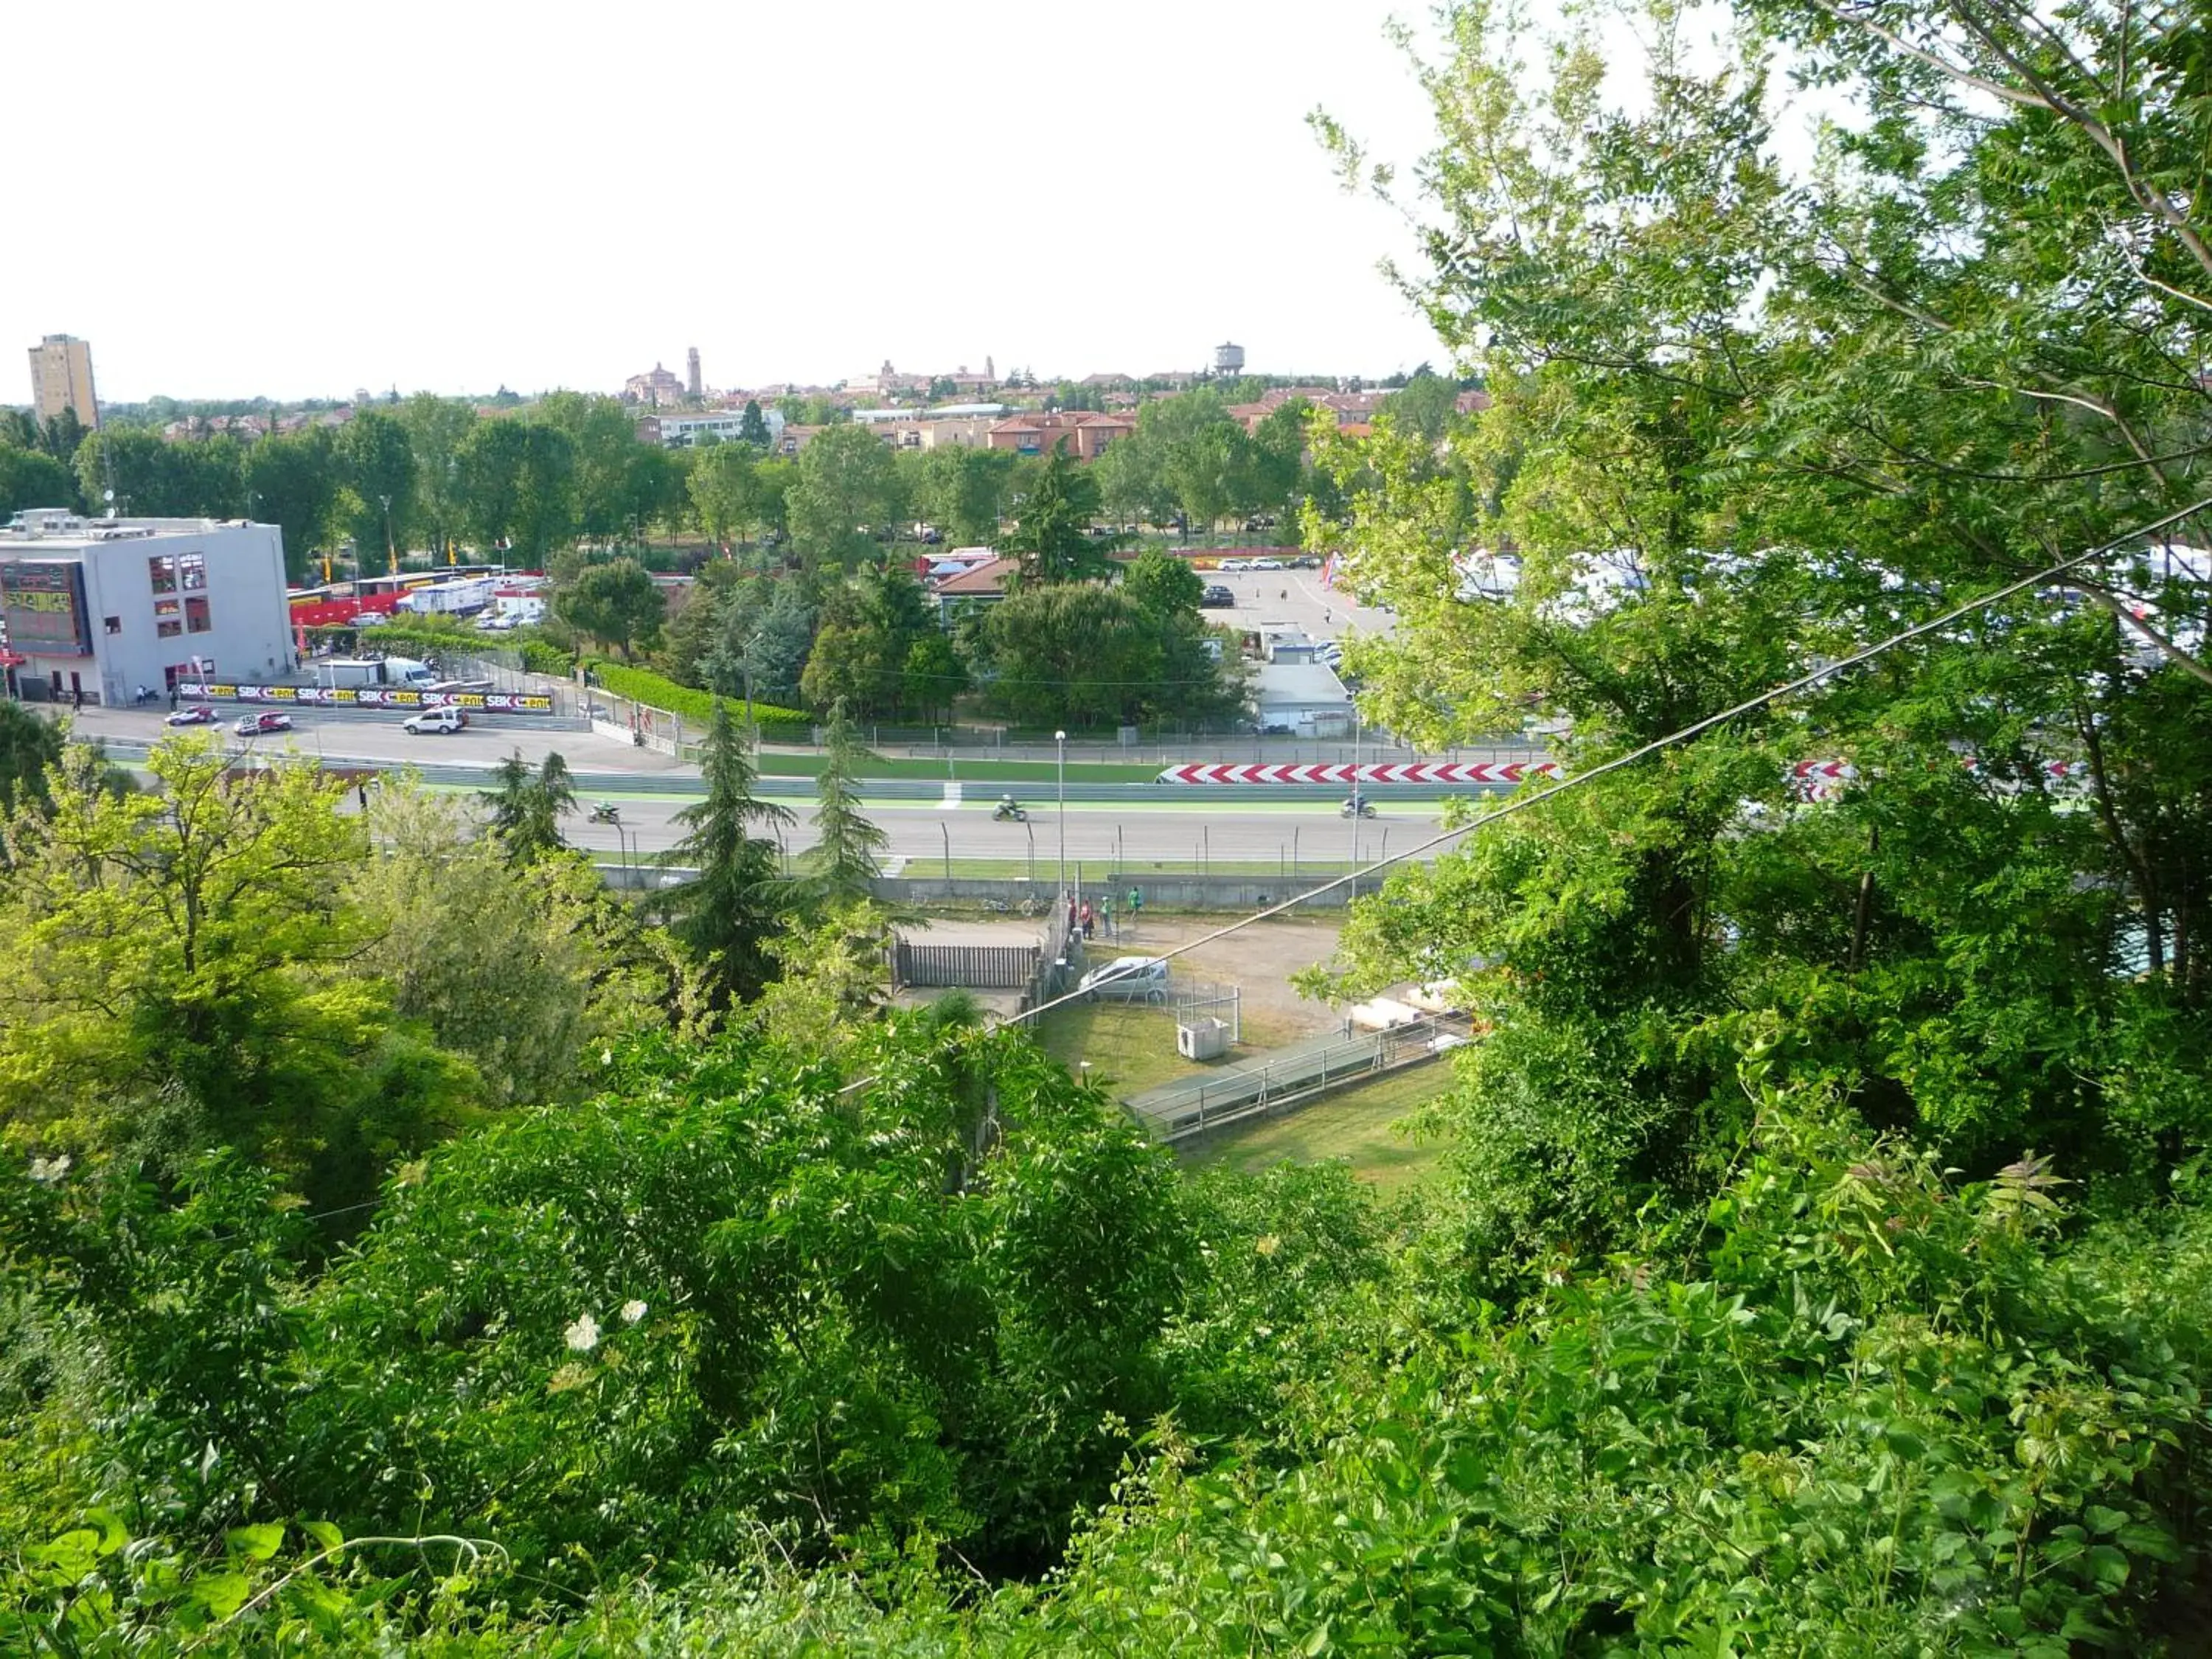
<point>1060,745</point>
<point>1357,802</point>
<point>746,663</point>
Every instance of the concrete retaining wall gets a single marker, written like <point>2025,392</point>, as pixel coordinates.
<point>1161,892</point>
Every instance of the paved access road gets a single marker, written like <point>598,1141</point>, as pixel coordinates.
<point>1245,833</point>
<point>1239,826</point>
<point>377,739</point>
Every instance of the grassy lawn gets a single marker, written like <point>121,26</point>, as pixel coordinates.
<point>803,764</point>
<point>1132,1048</point>
<point>1354,1125</point>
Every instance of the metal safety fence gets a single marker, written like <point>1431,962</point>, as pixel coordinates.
<point>1193,1105</point>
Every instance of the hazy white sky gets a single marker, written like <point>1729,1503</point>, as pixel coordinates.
<point>297,198</point>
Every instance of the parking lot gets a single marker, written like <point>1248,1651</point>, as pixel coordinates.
<point>1292,596</point>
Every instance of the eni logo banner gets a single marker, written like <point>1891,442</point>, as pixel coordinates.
<point>371,696</point>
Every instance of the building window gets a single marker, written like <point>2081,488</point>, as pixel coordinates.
<point>162,567</point>
<point>168,630</point>
<point>196,616</point>
<point>115,624</point>
<point>167,608</point>
<point>193,568</point>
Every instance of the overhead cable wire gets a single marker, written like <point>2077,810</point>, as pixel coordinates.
<point>1521,803</point>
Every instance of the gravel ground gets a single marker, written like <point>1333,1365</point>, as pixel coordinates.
<point>1260,961</point>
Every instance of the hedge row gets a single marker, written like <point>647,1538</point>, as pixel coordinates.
<point>405,639</point>
<point>697,707</point>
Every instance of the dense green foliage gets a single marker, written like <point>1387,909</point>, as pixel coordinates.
<point>1820,1264</point>
<point>643,685</point>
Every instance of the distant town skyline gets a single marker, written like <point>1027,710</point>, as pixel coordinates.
<point>1081,193</point>
<point>675,387</point>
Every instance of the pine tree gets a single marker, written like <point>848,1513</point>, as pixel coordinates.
<point>727,912</point>
<point>843,865</point>
<point>527,807</point>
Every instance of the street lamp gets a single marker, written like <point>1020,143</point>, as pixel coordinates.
<point>746,665</point>
<point>1060,743</point>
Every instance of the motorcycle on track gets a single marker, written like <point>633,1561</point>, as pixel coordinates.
<point>1009,810</point>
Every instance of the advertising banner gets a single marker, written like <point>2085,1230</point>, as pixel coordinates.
<point>370,696</point>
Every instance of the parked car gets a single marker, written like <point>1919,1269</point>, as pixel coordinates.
<point>371,619</point>
<point>1216,597</point>
<point>433,721</point>
<point>1264,564</point>
<point>1126,979</point>
<point>198,714</point>
<point>255,725</point>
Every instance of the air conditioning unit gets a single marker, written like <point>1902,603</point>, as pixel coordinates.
<point>1207,1040</point>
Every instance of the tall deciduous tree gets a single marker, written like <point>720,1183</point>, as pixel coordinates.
<point>28,745</point>
<point>848,486</point>
<point>616,604</point>
<point>436,429</point>
<point>724,488</point>
<point>292,481</point>
<point>963,490</point>
<point>31,477</point>
<point>869,628</point>
<point>378,464</point>
<point>520,968</point>
<point>1163,583</point>
<point>604,444</point>
<point>732,907</point>
<point>182,975</point>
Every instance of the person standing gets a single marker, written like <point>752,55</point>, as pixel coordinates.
<point>1106,913</point>
<point>1089,919</point>
<point>1136,904</point>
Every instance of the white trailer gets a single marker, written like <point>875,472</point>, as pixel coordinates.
<point>460,598</point>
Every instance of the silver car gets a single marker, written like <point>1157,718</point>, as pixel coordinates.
<point>1126,979</point>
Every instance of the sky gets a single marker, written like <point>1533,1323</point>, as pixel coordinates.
<point>297,200</point>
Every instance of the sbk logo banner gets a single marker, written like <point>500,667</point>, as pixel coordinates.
<point>370,696</point>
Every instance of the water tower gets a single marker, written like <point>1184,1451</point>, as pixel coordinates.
<point>1229,359</point>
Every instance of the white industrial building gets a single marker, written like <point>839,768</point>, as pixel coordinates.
<point>92,609</point>
<point>716,426</point>
<point>1302,698</point>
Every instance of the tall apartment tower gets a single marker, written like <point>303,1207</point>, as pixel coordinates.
<point>694,363</point>
<point>61,378</point>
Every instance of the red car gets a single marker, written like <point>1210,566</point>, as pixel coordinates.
<point>196,714</point>
<point>254,726</point>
